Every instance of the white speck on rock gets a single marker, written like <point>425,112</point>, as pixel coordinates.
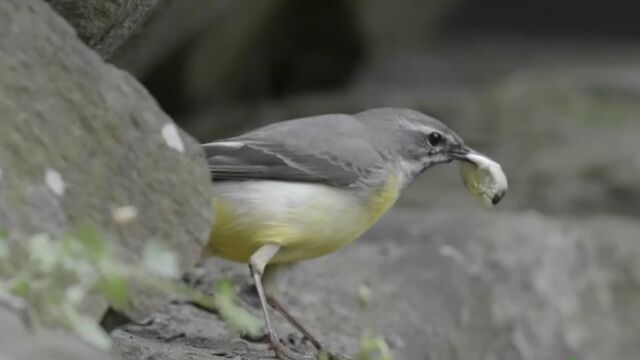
<point>458,257</point>
<point>125,214</point>
<point>172,137</point>
<point>0,174</point>
<point>54,181</point>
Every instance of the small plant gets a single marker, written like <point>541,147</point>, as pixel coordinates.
<point>374,348</point>
<point>371,347</point>
<point>235,315</point>
<point>56,275</point>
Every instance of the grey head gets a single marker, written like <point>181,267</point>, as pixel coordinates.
<point>414,140</point>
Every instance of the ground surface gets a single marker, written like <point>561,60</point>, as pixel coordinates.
<point>454,284</point>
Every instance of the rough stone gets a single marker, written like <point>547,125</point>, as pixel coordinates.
<point>446,285</point>
<point>169,28</point>
<point>16,343</point>
<point>81,138</point>
<point>104,25</point>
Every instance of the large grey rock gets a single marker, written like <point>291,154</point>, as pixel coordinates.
<point>445,285</point>
<point>104,24</point>
<point>80,138</point>
<point>169,28</point>
<point>16,343</point>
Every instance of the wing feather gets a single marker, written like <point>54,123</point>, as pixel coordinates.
<point>260,159</point>
<point>320,149</point>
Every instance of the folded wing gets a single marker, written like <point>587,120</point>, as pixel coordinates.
<point>251,159</point>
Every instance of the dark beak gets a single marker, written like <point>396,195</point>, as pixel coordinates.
<point>467,154</point>
<point>461,152</point>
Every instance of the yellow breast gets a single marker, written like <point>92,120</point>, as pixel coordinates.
<point>307,220</point>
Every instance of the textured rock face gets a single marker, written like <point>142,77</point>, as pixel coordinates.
<point>80,138</point>
<point>104,24</point>
<point>18,344</point>
<point>445,285</point>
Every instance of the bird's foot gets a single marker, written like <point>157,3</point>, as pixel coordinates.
<point>328,355</point>
<point>284,353</point>
<point>323,355</point>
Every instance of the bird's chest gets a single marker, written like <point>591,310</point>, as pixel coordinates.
<point>307,220</point>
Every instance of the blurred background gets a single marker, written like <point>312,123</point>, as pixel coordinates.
<point>548,88</point>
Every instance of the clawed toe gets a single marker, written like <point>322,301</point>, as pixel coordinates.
<point>284,353</point>
<point>336,356</point>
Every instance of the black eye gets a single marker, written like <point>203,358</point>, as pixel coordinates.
<point>435,139</point>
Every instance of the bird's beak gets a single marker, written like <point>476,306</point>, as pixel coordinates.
<point>482,176</point>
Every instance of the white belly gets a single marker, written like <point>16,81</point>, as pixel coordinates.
<point>307,220</point>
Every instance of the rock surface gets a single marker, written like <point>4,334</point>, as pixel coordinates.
<point>169,27</point>
<point>104,25</point>
<point>16,343</point>
<point>446,285</point>
<point>457,281</point>
<point>81,138</point>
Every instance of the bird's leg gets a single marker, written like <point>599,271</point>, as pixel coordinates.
<point>257,264</point>
<point>269,287</point>
<point>276,305</point>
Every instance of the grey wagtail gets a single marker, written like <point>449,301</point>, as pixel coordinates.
<point>303,188</point>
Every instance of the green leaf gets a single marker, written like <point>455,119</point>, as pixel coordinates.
<point>87,329</point>
<point>74,294</point>
<point>95,243</point>
<point>115,287</point>
<point>159,260</point>
<point>236,316</point>
<point>20,287</point>
<point>44,252</point>
<point>372,348</point>
<point>202,299</point>
<point>3,245</point>
<point>364,295</point>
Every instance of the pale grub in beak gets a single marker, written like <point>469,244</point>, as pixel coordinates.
<point>484,178</point>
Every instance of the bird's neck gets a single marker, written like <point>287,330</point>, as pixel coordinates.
<point>408,170</point>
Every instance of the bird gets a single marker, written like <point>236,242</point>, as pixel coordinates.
<point>304,188</point>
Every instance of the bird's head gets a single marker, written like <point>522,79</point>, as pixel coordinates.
<point>417,142</point>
